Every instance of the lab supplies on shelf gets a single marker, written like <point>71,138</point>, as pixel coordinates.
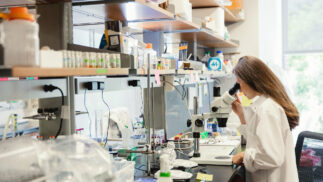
<point>150,57</point>
<point>76,59</point>
<point>181,8</point>
<point>216,14</point>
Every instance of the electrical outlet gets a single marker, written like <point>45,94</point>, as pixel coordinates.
<point>95,85</point>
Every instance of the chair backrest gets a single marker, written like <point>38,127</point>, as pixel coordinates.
<point>309,156</point>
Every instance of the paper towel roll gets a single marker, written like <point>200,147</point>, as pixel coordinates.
<point>219,20</point>
<point>216,13</point>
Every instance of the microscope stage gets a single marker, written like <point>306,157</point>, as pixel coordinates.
<point>215,155</point>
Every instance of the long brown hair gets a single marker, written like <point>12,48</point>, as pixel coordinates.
<point>260,78</point>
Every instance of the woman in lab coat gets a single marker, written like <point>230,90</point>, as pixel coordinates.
<point>269,154</point>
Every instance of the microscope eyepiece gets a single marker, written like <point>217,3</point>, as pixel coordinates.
<point>234,89</point>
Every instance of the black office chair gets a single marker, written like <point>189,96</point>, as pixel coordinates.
<point>309,156</point>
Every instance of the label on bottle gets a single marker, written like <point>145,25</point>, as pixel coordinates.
<point>215,64</point>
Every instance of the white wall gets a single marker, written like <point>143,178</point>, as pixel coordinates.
<point>129,99</point>
<point>247,32</point>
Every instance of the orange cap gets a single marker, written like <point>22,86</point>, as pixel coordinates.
<point>18,13</point>
<point>149,46</point>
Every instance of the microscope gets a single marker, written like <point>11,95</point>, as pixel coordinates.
<point>220,109</point>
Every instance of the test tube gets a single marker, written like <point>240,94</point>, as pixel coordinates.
<point>118,61</point>
<point>93,60</point>
<point>98,60</point>
<point>65,59</point>
<point>78,60</point>
<point>102,60</point>
<point>99,124</point>
<point>72,59</point>
<point>86,59</point>
<point>112,60</point>
<point>107,60</point>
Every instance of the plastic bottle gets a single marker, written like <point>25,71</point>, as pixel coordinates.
<point>40,138</point>
<point>220,55</point>
<point>227,66</point>
<point>149,52</point>
<point>206,57</point>
<point>21,41</point>
<point>165,175</point>
<point>141,58</point>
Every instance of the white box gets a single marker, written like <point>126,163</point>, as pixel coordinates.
<point>50,59</point>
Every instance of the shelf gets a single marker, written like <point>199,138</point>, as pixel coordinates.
<point>24,72</point>
<point>4,3</point>
<point>136,11</point>
<point>229,16</point>
<point>215,73</point>
<point>188,72</point>
<point>207,38</point>
<point>63,72</point>
<point>166,25</point>
<point>140,72</point>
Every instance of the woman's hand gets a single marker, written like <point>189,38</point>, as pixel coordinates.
<point>238,158</point>
<point>237,108</point>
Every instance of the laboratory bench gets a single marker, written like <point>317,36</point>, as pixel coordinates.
<point>221,173</point>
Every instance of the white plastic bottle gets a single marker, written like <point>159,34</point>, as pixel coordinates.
<point>206,57</point>
<point>21,41</point>
<point>149,52</point>
<point>220,55</point>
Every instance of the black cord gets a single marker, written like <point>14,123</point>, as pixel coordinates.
<point>61,121</point>
<point>106,140</point>
<point>183,87</point>
<point>88,114</point>
<point>142,101</point>
<point>181,94</point>
<point>51,88</point>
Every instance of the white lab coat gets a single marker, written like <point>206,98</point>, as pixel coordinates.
<point>269,154</point>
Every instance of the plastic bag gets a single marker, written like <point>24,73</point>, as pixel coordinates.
<point>18,159</point>
<point>75,158</point>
